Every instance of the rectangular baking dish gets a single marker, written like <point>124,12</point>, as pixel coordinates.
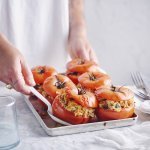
<point>54,129</point>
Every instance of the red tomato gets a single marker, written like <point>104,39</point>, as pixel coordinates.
<point>57,84</point>
<point>40,73</point>
<point>85,99</point>
<point>82,65</point>
<point>94,80</point>
<point>121,95</point>
<point>73,76</point>
<point>106,114</point>
<point>60,112</point>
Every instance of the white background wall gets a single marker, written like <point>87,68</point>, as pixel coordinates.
<point>119,31</point>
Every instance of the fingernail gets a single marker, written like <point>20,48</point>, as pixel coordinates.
<point>32,82</point>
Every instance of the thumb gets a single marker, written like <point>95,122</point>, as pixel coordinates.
<point>93,56</point>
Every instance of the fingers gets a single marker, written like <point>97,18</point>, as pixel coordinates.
<point>73,54</point>
<point>17,79</point>
<point>83,54</point>
<point>27,74</point>
<point>93,56</point>
<point>79,53</point>
<point>82,50</point>
<point>18,83</point>
<point>77,49</point>
<point>20,86</point>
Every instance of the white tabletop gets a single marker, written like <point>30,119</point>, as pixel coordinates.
<point>33,137</point>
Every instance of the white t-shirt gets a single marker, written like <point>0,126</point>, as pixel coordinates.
<point>38,28</point>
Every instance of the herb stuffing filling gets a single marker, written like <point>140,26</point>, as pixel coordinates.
<point>78,110</point>
<point>40,89</point>
<point>115,106</point>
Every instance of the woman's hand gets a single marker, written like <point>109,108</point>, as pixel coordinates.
<point>79,47</point>
<point>13,68</point>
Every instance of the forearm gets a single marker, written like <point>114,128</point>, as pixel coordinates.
<point>76,17</point>
<point>78,44</point>
<point>2,40</point>
<point>4,43</point>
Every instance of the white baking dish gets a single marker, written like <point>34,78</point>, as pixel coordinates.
<point>54,129</point>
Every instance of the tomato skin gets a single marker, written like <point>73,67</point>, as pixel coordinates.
<point>40,73</point>
<point>93,119</point>
<point>120,93</point>
<point>99,80</point>
<point>105,114</point>
<point>60,112</point>
<point>115,94</point>
<point>51,89</point>
<point>82,65</point>
<point>74,79</point>
<point>73,76</point>
<point>88,99</point>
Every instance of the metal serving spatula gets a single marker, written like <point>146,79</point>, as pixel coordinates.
<point>49,111</point>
